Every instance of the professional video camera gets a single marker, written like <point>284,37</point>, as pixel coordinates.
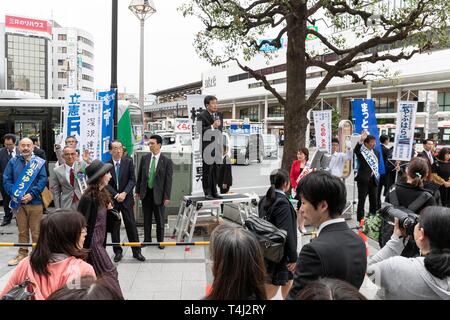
<point>407,219</point>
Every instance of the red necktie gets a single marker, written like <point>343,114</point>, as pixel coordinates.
<point>72,183</point>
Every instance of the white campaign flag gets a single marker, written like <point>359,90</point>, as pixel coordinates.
<point>404,134</point>
<point>90,128</point>
<point>322,127</point>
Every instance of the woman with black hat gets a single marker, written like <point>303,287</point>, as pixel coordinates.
<point>94,204</point>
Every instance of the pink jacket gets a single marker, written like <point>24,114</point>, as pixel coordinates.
<point>66,271</point>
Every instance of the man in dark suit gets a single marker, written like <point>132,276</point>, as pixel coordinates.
<point>224,173</point>
<point>337,252</point>
<point>38,151</point>
<point>367,177</point>
<point>121,188</point>
<point>428,151</point>
<point>154,185</point>
<point>386,178</point>
<point>8,152</point>
<point>211,140</point>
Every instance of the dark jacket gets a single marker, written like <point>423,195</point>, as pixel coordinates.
<point>337,252</point>
<point>283,216</point>
<point>4,159</point>
<point>365,173</point>
<point>127,181</point>
<point>40,153</point>
<point>406,194</point>
<point>224,173</point>
<point>207,120</point>
<point>11,174</point>
<point>424,155</point>
<point>88,207</point>
<point>163,179</point>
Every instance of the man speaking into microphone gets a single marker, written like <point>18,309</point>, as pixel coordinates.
<point>211,139</point>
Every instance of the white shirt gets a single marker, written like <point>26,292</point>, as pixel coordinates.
<point>68,171</point>
<point>13,153</point>
<point>327,223</point>
<point>430,157</point>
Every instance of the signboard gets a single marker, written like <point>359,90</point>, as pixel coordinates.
<point>183,126</point>
<point>404,134</point>
<point>72,114</point>
<point>91,127</point>
<point>108,99</point>
<point>195,104</point>
<point>365,120</point>
<point>28,26</point>
<point>322,127</point>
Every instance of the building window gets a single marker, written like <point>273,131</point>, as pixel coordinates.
<point>251,113</point>
<point>86,41</point>
<point>62,75</point>
<point>87,54</point>
<point>62,49</point>
<point>444,101</point>
<point>62,37</point>
<point>60,87</point>
<point>88,66</point>
<point>60,62</point>
<point>275,111</point>
<point>88,78</point>
<point>385,104</point>
<point>87,89</point>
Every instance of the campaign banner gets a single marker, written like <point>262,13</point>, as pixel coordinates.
<point>404,132</point>
<point>108,100</point>
<point>72,120</point>
<point>195,104</point>
<point>365,119</point>
<point>183,126</point>
<point>322,127</point>
<point>90,126</point>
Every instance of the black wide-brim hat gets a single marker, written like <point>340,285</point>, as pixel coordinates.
<point>96,170</point>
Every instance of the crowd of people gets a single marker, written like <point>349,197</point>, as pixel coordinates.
<point>70,260</point>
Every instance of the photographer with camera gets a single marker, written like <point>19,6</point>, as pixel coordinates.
<point>426,277</point>
<point>409,197</point>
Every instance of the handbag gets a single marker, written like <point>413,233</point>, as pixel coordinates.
<point>115,215</point>
<point>270,238</point>
<point>47,197</point>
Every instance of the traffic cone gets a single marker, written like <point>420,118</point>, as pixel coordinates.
<point>364,237</point>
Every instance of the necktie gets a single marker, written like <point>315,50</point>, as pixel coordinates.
<point>10,154</point>
<point>151,176</point>
<point>431,157</point>
<point>72,183</point>
<point>117,174</point>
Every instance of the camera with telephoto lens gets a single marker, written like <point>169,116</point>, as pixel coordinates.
<point>407,219</point>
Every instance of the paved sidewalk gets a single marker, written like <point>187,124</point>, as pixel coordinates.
<point>170,274</point>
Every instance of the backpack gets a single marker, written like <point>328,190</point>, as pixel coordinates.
<point>270,238</point>
<point>23,291</point>
<point>387,228</point>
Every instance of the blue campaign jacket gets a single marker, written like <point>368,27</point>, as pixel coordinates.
<point>11,174</point>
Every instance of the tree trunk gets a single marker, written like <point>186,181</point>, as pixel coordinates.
<point>295,110</point>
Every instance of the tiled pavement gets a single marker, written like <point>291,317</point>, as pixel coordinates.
<point>170,274</point>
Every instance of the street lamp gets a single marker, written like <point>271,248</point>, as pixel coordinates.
<point>142,9</point>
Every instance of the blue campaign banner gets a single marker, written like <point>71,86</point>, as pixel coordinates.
<point>72,116</point>
<point>108,98</point>
<point>365,119</point>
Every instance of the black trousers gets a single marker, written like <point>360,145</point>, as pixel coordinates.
<point>152,210</point>
<point>365,189</point>
<point>6,200</point>
<point>209,178</point>
<point>130,227</point>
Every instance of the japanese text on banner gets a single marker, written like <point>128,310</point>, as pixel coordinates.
<point>91,124</point>
<point>322,125</point>
<point>404,135</point>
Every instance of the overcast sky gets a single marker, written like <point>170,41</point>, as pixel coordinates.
<point>170,59</point>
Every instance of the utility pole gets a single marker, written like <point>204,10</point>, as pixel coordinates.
<point>113,85</point>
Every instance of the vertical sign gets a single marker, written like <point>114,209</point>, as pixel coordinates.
<point>195,104</point>
<point>72,114</point>
<point>365,119</point>
<point>404,134</point>
<point>91,125</point>
<point>108,98</point>
<point>322,127</point>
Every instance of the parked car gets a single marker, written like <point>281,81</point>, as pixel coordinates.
<point>270,145</point>
<point>246,148</point>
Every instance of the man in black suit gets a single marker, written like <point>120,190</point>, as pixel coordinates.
<point>428,151</point>
<point>211,139</point>
<point>386,178</point>
<point>8,152</point>
<point>154,185</point>
<point>224,173</point>
<point>337,252</point>
<point>367,177</point>
<point>121,188</point>
<point>38,151</point>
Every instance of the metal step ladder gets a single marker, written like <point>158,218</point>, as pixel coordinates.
<point>194,208</point>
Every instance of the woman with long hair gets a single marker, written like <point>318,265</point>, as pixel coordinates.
<point>238,265</point>
<point>94,205</point>
<point>297,168</point>
<point>441,175</point>
<point>278,210</point>
<point>58,258</point>
<point>426,277</point>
